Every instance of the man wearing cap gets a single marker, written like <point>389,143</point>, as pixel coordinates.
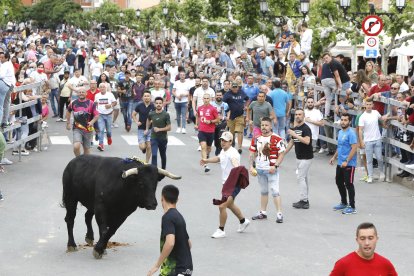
<point>229,158</point>
<point>237,101</point>
<point>64,95</point>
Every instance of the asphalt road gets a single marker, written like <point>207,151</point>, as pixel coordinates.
<point>33,233</point>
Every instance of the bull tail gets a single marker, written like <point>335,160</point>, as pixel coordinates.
<point>66,181</point>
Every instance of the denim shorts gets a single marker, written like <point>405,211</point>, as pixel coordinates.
<point>268,181</point>
<point>236,192</point>
<point>142,138</point>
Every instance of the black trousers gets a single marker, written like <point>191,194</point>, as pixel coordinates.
<point>345,181</point>
<point>62,102</point>
<point>217,134</point>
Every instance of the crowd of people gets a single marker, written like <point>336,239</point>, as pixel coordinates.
<point>264,96</point>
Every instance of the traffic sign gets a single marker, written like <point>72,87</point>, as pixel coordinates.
<point>212,36</point>
<point>371,47</point>
<point>372,25</point>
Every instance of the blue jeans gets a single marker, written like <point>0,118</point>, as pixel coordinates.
<point>181,109</point>
<point>52,96</point>
<point>372,147</point>
<point>126,108</point>
<point>104,122</point>
<point>161,145</point>
<point>5,92</point>
<point>280,128</point>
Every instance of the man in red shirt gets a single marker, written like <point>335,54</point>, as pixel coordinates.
<point>379,88</point>
<point>207,117</point>
<point>364,261</point>
<point>93,90</point>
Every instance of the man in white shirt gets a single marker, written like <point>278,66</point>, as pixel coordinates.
<point>370,138</point>
<point>314,119</point>
<point>199,92</point>
<point>7,83</point>
<point>306,39</point>
<point>96,68</point>
<point>403,86</point>
<point>105,103</point>
<point>172,74</point>
<point>76,83</point>
<point>181,90</point>
<point>184,45</point>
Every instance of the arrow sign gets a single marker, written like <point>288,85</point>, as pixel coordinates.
<point>372,25</point>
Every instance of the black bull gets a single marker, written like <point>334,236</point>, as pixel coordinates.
<point>110,188</point>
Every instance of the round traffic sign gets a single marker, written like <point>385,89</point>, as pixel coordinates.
<point>372,25</point>
<point>371,42</point>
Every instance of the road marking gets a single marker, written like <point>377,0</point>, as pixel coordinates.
<point>132,140</point>
<point>246,142</point>
<point>60,140</point>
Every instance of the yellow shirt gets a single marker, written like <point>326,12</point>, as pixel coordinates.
<point>102,58</point>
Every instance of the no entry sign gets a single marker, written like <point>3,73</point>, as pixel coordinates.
<point>372,25</point>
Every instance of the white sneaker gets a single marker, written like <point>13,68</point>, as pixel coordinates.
<point>369,179</point>
<point>218,234</point>
<point>5,161</point>
<point>243,226</point>
<point>64,120</point>
<point>59,120</point>
<point>199,148</point>
<point>322,150</point>
<point>382,176</point>
<point>183,131</point>
<point>115,125</point>
<point>178,130</point>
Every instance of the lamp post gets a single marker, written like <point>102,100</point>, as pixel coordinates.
<point>264,9</point>
<point>5,14</point>
<point>345,5</point>
<point>147,18</point>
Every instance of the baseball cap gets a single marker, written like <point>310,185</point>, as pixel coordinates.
<point>227,136</point>
<point>234,84</point>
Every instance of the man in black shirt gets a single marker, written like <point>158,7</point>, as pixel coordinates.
<point>302,140</point>
<point>343,82</point>
<point>175,258</point>
<point>140,116</point>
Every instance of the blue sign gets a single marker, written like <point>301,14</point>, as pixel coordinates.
<point>372,53</point>
<point>212,36</point>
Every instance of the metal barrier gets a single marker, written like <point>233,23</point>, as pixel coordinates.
<point>18,124</point>
<point>388,140</point>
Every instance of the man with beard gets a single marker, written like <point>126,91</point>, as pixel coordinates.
<point>345,169</point>
<point>267,150</point>
<point>364,260</point>
<point>257,110</point>
<point>85,115</point>
<point>301,136</point>
<point>314,119</point>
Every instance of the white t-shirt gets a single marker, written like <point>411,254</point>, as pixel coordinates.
<point>76,82</point>
<point>404,87</point>
<point>96,68</point>
<point>263,161</point>
<point>199,93</point>
<point>157,93</point>
<point>184,43</point>
<point>181,88</point>
<point>102,100</point>
<point>314,115</point>
<point>225,162</point>
<point>173,71</point>
<point>370,126</point>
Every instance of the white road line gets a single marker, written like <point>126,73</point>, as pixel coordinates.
<point>132,140</point>
<point>60,140</point>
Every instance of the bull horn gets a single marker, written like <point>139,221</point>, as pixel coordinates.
<point>129,172</point>
<point>168,174</point>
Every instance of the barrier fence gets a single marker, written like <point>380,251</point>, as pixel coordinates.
<point>21,122</point>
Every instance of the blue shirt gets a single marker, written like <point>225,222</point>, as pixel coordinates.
<point>280,100</point>
<point>265,64</point>
<point>221,108</point>
<point>250,90</point>
<point>346,139</point>
<point>225,58</point>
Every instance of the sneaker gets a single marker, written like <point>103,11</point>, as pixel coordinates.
<point>183,131</point>
<point>259,216</point>
<point>279,218</point>
<point>25,152</point>
<point>245,132</point>
<point>109,140</point>
<point>365,178</point>
<point>250,136</point>
<point>64,120</point>
<point>243,226</point>
<point>1,197</point>
<point>382,177</point>
<point>96,137</point>
<point>59,120</point>
<point>34,149</point>
<point>100,147</point>
<point>349,211</point>
<point>127,128</point>
<point>5,161</point>
<point>301,204</point>
<point>115,125</point>
<point>322,150</point>
<point>144,151</point>
<point>218,234</point>
<point>369,179</point>
<point>240,151</point>
<point>206,169</point>
<point>339,207</point>
<point>199,148</point>
<point>178,130</point>
<point>15,152</point>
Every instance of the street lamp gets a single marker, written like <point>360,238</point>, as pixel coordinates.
<point>264,9</point>
<point>304,7</point>
<point>138,13</point>
<point>6,13</point>
<point>345,4</point>
<point>165,11</point>
<point>147,18</point>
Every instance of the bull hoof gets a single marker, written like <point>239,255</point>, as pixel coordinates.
<point>97,255</point>
<point>71,249</point>
<point>89,241</point>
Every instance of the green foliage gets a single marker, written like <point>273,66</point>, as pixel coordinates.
<point>50,13</point>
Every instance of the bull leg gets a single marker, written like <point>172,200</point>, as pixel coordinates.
<point>70,220</point>
<point>101,219</point>
<point>89,234</point>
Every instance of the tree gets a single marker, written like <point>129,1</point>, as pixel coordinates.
<point>50,13</point>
